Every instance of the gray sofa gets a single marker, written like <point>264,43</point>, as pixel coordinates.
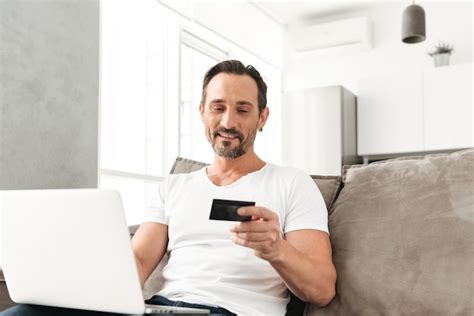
<point>402,232</point>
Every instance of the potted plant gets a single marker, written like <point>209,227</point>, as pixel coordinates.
<point>441,54</point>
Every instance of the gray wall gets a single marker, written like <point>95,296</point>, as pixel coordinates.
<point>49,87</point>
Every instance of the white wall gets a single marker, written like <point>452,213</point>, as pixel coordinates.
<point>447,21</point>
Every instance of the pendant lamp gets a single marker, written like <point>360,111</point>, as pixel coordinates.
<point>413,24</point>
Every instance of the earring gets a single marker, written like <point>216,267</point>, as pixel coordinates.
<point>260,129</point>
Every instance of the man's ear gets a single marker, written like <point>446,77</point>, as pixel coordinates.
<point>201,110</point>
<point>263,117</point>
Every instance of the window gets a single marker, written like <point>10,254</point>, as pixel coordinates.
<point>131,102</point>
<point>152,66</point>
<point>196,57</point>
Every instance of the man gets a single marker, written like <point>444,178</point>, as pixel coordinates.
<point>229,268</point>
<point>243,268</point>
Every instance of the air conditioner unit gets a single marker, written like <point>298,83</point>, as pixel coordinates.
<point>347,32</point>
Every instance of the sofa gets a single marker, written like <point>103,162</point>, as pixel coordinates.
<point>402,233</point>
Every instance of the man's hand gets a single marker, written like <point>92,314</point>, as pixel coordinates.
<point>262,233</point>
<point>303,259</point>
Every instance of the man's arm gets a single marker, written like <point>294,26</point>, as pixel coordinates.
<point>303,259</point>
<point>149,245</point>
<point>305,264</point>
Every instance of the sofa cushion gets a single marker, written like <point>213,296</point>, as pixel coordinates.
<point>183,165</point>
<point>5,301</point>
<point>329,187</point>
<point>402,233</point>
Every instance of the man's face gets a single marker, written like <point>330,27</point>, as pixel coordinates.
<point>230,114</point>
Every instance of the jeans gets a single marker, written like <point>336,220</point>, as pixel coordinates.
<point>161,300</point>
<point>40,310</point>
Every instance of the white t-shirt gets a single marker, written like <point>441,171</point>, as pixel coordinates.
<point>205,266</point>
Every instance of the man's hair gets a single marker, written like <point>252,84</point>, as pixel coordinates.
<point>237,68</point>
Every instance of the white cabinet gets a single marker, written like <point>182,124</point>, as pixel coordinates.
<point>448,107</point>
<point>416,111</point>
<point>390,113</point>
<point>319,129</point>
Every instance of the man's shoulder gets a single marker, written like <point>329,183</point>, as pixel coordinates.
<point>176,178</point>
<point>286,171</point>
<point>285,176</point>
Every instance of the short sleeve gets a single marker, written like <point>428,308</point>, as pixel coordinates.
<point>306,207</point>
<point>155,208</point>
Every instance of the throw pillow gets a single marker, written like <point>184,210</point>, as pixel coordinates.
<point>402,233</point>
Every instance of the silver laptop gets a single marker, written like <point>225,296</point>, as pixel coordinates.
<point>71,248</point>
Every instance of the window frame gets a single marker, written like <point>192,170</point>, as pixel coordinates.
<point>201,45</point>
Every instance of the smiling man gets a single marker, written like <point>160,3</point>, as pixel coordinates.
<point>243,268</point>
<point>248,267</point>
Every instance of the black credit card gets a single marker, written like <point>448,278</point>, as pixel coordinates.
<point>226,210</point>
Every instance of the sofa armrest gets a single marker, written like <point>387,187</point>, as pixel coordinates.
<point>5,301</point>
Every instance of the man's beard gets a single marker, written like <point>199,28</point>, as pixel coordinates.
<point>226,150</point>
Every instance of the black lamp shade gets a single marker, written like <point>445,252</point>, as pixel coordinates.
<point>413,24</point>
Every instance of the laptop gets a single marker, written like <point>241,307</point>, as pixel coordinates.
<point>71,248</point>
